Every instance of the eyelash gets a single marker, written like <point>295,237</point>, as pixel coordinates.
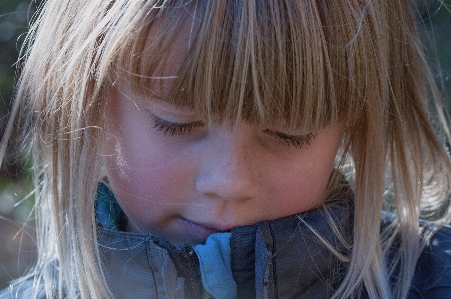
<point>174,128</point>
<point>291,140</point>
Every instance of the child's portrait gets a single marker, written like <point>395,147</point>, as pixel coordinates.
<point>233,149</point>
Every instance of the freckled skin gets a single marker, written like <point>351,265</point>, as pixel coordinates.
<point>215,179</point>
<point>184,187</point>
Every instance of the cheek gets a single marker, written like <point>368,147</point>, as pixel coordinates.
<point>299,187</point>
<point>148,178</point>
<point>134,157</point>
<point>299,192</point>
<point>141,168</point>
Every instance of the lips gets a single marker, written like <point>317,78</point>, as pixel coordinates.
<point>200,230</point>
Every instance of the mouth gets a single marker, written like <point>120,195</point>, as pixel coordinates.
<point>200,230</point>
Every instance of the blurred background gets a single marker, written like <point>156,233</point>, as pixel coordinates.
<point>17,250</point>
<point>16,204</point>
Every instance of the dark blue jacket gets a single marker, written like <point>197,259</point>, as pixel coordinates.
<point>282,258</point>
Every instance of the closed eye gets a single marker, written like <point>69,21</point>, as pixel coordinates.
<point>174,128</point>
<point>298,141</point>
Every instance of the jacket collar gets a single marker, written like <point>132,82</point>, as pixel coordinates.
<point>282,258</point>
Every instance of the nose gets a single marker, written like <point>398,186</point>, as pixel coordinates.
<point>228,170</point>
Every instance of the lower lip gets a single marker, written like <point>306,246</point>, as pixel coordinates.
<point>196,229</point>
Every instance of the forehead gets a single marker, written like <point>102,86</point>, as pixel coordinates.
<point>178,33</point>
<point>175,36</point>
<point>241,64</point>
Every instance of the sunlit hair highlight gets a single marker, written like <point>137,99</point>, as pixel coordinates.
<point>301,64</point>
<point>246,61</point>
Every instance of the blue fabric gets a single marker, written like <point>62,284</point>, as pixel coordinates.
<point>215,266</point>
<point>108,211</point>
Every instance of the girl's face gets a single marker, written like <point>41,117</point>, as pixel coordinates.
<point>178,178</point>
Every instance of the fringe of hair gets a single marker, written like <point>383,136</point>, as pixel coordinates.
<point>304,64</point>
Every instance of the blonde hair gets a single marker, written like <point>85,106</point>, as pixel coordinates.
<point>306,64</point>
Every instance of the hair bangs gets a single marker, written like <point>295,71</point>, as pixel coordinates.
<point>265,62</point>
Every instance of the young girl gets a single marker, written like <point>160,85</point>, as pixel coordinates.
<point>233,149</point>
